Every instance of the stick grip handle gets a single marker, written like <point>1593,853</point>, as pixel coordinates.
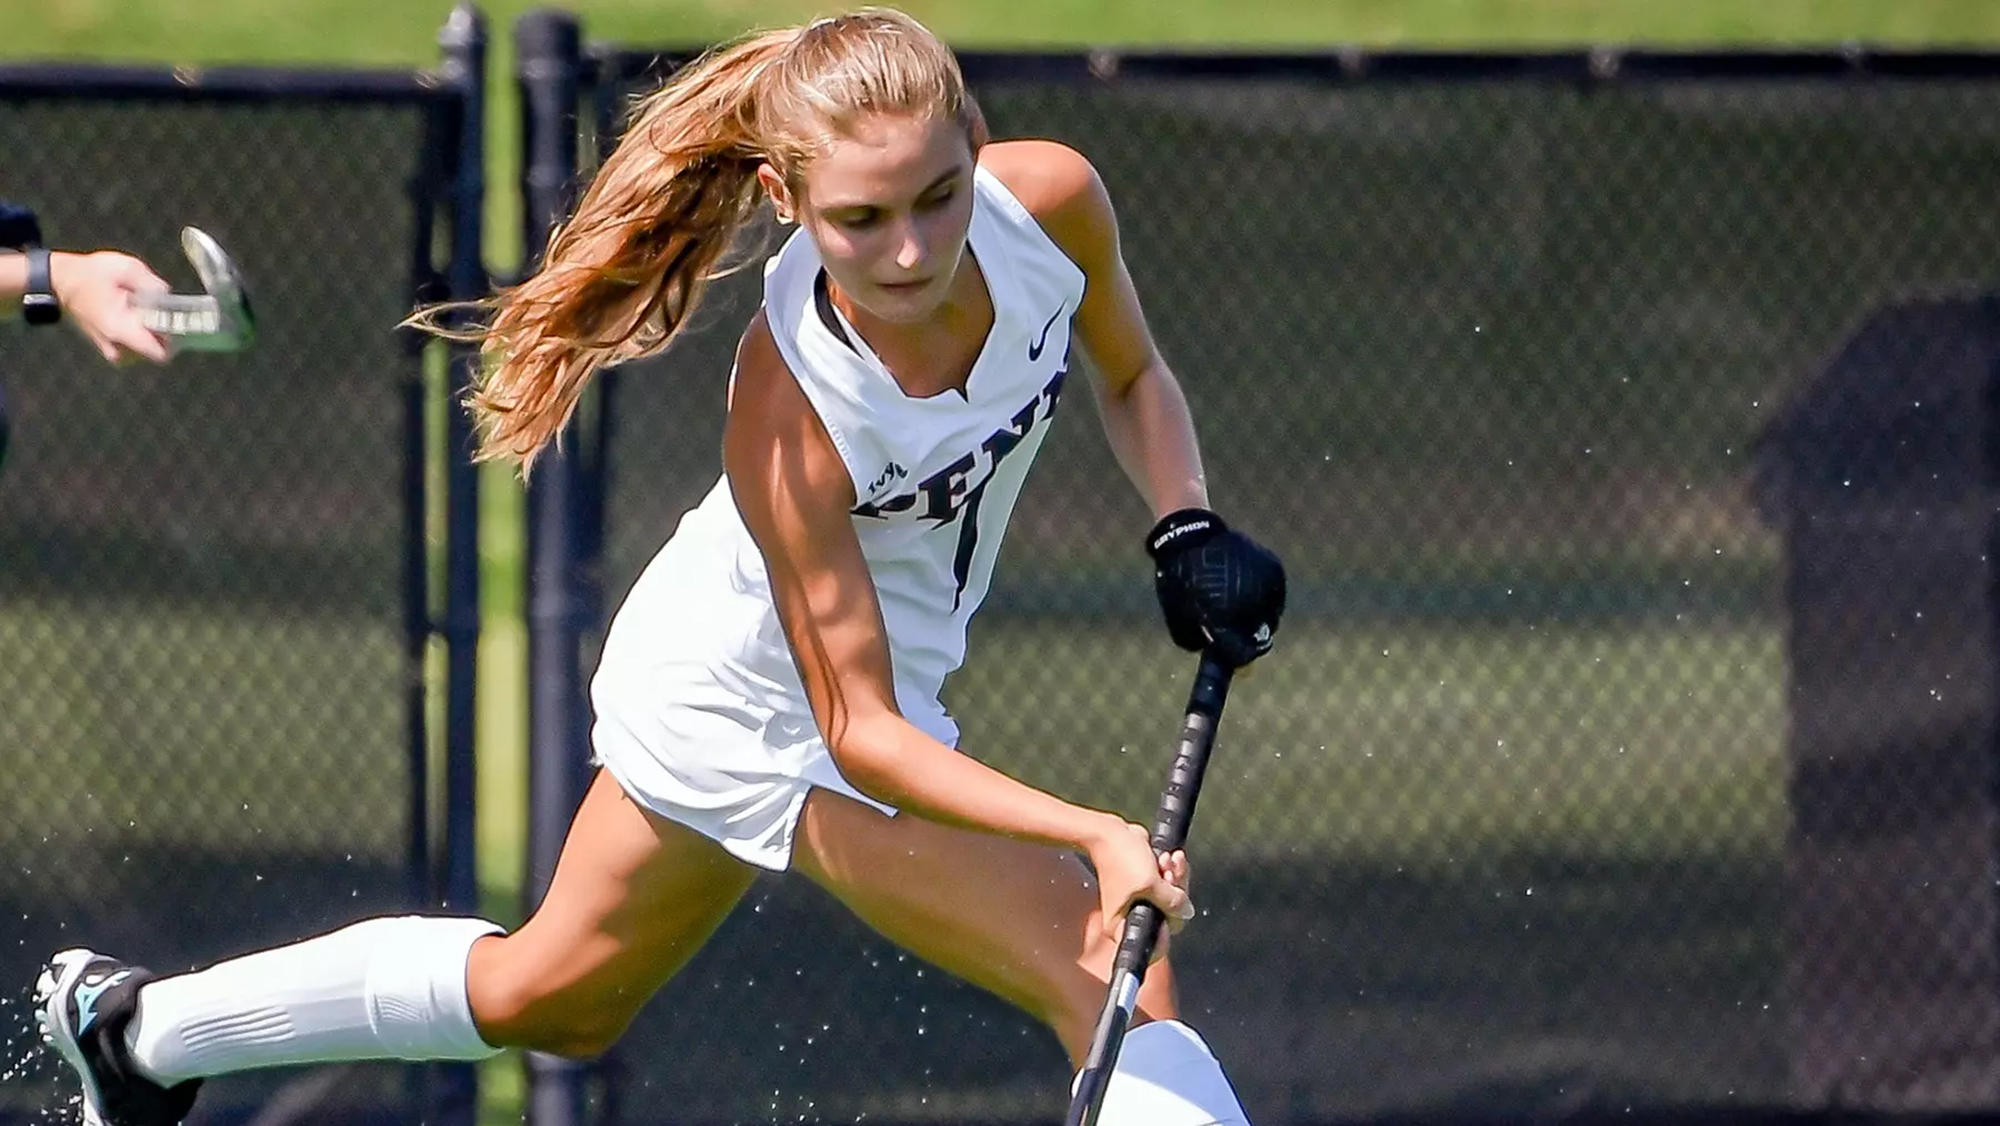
<point>1204,710</point>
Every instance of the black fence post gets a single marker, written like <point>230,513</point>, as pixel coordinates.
<point>548,53</point>
<point>464,39</point>
<point>452,1095</point>
<point>600,99</point>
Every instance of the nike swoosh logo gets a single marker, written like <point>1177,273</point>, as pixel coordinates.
<point>1041,342</point>
<point>87,995</point>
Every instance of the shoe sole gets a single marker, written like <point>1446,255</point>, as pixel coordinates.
<point>52,990</point>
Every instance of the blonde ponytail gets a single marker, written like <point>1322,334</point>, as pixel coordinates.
<point>621,278</point>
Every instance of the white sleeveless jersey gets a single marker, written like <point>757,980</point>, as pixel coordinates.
<point>936,480</point>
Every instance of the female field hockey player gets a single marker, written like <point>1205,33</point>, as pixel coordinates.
<point>768,693</point>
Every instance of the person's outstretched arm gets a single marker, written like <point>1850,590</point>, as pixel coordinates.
<point>95,291</point>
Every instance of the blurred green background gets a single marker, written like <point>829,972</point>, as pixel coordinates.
<point>396,32</point>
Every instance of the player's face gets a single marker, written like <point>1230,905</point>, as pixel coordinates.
<point>889,205</point>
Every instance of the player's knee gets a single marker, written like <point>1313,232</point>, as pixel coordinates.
<point>523,1016</point>
<point>515,1007</point>
<point>1070,995</point>
<point>582,1036</point>
<point>1100,950</point>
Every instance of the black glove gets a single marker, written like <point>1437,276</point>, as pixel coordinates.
<point>1220,589</point>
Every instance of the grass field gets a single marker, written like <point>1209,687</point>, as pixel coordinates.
<point>1411,743</point>
<point>1611,739</point>
<point>392,33</point>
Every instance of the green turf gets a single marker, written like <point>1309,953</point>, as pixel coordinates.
<point>1370,741</point>
<point>202,727</point>
<point>398,33</point>
<point>1412,743</point>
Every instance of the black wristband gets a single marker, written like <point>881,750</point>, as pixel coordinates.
<point>1183,529</point>
<point>38,302</point>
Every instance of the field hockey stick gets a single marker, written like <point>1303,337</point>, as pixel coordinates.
<point>217,320</point>
<point>1142,923</point>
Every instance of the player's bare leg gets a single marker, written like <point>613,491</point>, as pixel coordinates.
<point>633,898</point>
<point>1016,919</point>
<point>1021,921</point>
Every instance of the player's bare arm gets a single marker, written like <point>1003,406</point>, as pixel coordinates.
<point>1145,415</point>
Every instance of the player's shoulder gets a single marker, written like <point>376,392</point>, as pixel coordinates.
<point>1044,175</point>
<point>762,389</point>
<point>770,420</point>
<point>1060,187</point>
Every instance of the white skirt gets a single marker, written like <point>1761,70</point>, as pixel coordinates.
<point>700,713</point>
<point>700,756</point>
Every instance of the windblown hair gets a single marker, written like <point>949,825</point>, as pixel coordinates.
<point>622,276</point>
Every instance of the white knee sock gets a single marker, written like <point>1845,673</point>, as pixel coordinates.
<point>389,988</point>
<point>1166,1076</point>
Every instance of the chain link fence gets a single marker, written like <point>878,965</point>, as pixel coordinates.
<point>214,601</point>
<point>1628,744</point>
